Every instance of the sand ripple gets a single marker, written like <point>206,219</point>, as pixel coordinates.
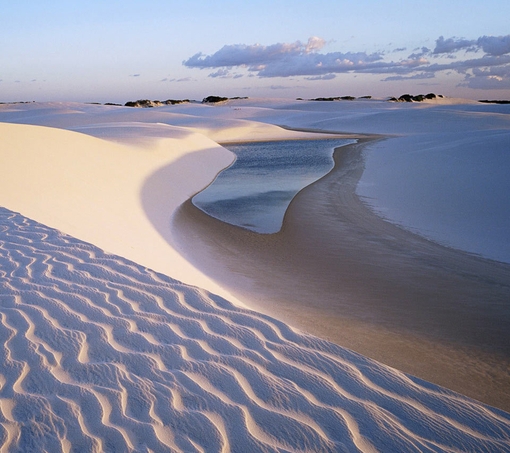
<point>100,354</point>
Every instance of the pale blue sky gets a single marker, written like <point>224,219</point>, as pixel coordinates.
<point>115,51</point>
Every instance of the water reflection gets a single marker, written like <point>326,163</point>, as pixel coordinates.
<point>255,191</point>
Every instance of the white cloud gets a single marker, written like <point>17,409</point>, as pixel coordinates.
<point>253,55</point>
<point>225,74</point>
<point>315,43</point>
<point>306,59</point>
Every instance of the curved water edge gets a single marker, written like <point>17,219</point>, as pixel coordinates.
<point>365,283</point>
<point>453,191</point>
<point>255,191</point>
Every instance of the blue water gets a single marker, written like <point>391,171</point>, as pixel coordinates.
<point>255,191</point>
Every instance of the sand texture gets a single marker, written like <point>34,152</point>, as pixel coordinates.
<point>101,354</point>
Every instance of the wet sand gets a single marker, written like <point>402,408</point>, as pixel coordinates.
<point>340,272</point>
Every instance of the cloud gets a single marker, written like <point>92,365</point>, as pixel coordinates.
<point>134,75</point>
<point>225,74</point>
<point>487,83</point>
<point>491,45</point>
<point>252,55</point>
<point>495,45</point>
<point>418,53</point>
<point>423,75</point>
<point>282,60</point>
<point>309,61</point>
<point>286,87</point>
<point>222,73</point>
<point>452,45</point>
<point>183,79</point>
<point>322,77</point>
<point>488,78</point>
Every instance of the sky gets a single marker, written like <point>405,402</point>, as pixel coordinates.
<point>122,50</point>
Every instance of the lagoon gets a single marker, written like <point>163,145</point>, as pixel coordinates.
<point>255,191</point>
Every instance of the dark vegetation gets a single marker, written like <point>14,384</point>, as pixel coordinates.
<point>337,98</point>
<point>146,103</point>
<point>18,102</point>
<point>176,101</point>
<point>417,98</point>
<point>486,101</point>
<point>216,99</point>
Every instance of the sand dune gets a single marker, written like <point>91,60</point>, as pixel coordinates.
<point>114,176</point>
<point>101,354</point>
<point>124,345</point>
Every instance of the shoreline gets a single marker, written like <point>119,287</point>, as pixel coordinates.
<point>365,283</point>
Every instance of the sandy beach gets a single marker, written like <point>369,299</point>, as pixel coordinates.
<point>132,321</point>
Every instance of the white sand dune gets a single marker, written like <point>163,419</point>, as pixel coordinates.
<point>104,351</point>
<point>114,176</point>
<point>101,354</point>
<point>91,188</point>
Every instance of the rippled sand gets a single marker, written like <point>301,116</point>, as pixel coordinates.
<point>101,354</point>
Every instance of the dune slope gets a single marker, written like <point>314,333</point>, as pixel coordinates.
<point>101,354</point>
